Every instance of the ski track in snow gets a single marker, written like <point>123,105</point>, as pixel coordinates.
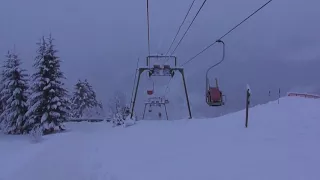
<point>281,142</point>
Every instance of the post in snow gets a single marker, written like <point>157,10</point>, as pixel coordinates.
<point>279,96</point>
<point>248,94</point>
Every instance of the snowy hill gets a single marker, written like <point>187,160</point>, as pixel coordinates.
<point>281,143</point>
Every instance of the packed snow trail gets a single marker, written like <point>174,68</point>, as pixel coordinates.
<point>281,142</point>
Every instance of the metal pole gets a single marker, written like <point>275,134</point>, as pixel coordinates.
<point>206,91</point>
<point>134,82</point>
<point>165,108</point>
<point>147,60</point>
<point>144,111</point>
<point>279,97</point>
<point>247,106</point>
<point>175,61</point>
<point>136,91</point>
<point>185,89</point>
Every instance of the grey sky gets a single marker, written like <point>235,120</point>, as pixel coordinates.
<point>101,40</point>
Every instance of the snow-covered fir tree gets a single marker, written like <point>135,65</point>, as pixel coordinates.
<point>2,88</point>
<point>119,110</point>
<point>121,115</point>
<point>14,93</point>
<point>48,103</point>
<point>84,101</point>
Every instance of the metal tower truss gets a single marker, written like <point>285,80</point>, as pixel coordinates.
<point>155,68</point>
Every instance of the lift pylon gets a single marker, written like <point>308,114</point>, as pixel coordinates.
<point>161,70</point>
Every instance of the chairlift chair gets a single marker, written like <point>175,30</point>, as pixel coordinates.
<point>167,71</point>
<point>151,90</point>
<point>158,70</point>
<point>214,96</point>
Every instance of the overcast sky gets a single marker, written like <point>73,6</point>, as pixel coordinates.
<point>101,40</point>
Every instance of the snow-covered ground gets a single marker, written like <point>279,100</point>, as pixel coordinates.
<point>281,143</point>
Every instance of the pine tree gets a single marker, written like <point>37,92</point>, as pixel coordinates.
<point>48,103</point>
<point>119,109</point>
<point>3,93</point>
<point>121,115</point>
<point>2,103</point>
<point>84,100</point>
<point>14,94</point>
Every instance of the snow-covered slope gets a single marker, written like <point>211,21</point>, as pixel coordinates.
<point>281,142</point>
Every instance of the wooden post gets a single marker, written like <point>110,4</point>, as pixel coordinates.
<point>247,106</point>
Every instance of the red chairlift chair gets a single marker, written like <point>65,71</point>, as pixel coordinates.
<point>151,90</point>
<point>214,96</point>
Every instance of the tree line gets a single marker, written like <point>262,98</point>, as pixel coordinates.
<point>40,102</point>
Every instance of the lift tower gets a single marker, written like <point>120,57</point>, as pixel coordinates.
<point>160,70</point>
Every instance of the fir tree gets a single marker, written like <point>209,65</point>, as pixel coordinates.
<point>48,103</point>
<point>84,100</point>
<point>3,93</point>
<point>14,94</point>
<point>119,110</point>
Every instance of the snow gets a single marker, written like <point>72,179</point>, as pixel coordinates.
<point>47,87</point>
<point>44,117</point>
<point>33,108</point>
<point>281,142</point>
<point>55,99</point>
<point>55,114</point>
<point>17,91</point>
<point>249,89</point>
<point>54,106</point>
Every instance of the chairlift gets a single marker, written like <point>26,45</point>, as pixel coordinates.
<point>151,90</point>
<point>161,70</point>
<point>214,96</point>
<point>167,71</point>
<point>156,69</point>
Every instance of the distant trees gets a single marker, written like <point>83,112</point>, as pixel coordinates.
<point>39,104</point>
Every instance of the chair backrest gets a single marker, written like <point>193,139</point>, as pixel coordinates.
<point>215,94</point>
